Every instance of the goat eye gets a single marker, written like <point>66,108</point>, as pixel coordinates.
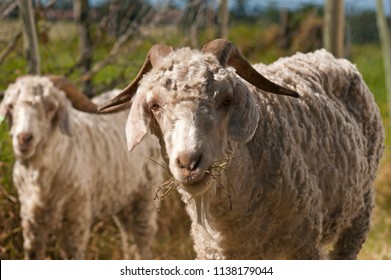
<point>225,104</point>
<point>155,107</point>
<point>50,108</point>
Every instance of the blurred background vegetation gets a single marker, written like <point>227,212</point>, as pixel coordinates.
<point>102,46</point>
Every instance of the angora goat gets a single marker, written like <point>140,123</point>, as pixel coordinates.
<point>71,170</point>
<point>264,176</point>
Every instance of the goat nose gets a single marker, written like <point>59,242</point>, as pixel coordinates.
<point>188,161</point>
<point>24,138</point>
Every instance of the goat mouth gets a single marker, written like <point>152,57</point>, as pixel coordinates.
<point>199,179</point>
<point>196,185</point>
<point>25,151</point>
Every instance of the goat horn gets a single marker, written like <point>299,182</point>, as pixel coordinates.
<point>227,53</point>
<point>155,53</point>
<point>78,99</point>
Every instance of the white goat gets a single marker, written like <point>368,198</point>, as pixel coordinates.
<point>267,176</point>
<point>70,169</point>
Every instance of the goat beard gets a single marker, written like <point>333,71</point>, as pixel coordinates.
<point>219,189</point>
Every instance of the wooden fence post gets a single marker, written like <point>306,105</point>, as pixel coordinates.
<point>30,39</point>
<point>81,9</point>
<point>384,34</point>
<point>334,26</point>
<point>223,19</point>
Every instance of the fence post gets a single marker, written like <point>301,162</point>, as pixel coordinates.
<point>81,9</point>
<point>30,39</point>
<point>386,48</point>
<point>223,19</point>
<point>334,26</point>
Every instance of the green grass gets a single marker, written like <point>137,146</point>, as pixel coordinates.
<point>10,232</point>
<point>173,240</point>
<point>369,61</point>
<point>378,243</point>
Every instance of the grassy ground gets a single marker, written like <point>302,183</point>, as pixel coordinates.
<point>378,245</point>
<point>173,240</point>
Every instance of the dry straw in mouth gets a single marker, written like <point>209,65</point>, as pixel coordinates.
<point>166,189</point>
<point>215,172</point>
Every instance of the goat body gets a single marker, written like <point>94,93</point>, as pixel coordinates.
<point>71,171</point>
<point>264,176</point>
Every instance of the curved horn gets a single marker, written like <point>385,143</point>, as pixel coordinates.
<point>155,53</point>
<point>227,53</point>
<point>78,99</point>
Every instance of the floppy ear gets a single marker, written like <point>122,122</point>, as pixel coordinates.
<point>62,117</point>
<point>138,121</point>
<point>58,115</point>
<point>55,110</point>
<point>244,116</point>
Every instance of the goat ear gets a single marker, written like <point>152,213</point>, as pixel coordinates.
<point>58,115</point>
<point>244,116</point>
<point>138,122</point>
<point>63,121</point>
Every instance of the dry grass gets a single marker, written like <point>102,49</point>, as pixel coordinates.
<point>172,241</point>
